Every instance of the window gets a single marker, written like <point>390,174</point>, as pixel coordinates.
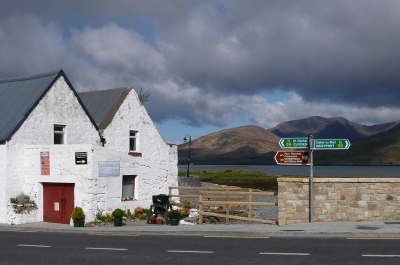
<point>128,187</point>
<point>132,141</point>
<point>59,134</point>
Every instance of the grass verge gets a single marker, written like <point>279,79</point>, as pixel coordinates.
<point>229,175</point>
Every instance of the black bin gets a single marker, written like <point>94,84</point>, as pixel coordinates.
<point>160,199</point>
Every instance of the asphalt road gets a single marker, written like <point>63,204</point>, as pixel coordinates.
<point>70,248</point>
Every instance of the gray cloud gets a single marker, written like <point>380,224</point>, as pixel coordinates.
<point>208,61</point>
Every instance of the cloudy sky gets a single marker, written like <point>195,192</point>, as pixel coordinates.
<point>211,65</point>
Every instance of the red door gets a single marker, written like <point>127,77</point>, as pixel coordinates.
<point>58,202</point>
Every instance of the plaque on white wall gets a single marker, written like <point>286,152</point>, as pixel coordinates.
<point>109,169</point>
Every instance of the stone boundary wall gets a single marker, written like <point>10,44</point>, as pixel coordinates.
<point>191,181</point>
<point>25,217</point>
<point>339,200</point>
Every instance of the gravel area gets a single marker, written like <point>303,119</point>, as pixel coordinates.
<point>259,212</point>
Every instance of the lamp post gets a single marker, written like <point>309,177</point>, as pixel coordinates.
<point>190,143</point>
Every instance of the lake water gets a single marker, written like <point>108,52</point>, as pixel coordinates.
<point>319,171</point>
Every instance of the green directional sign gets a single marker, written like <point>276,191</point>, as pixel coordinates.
<point>331,144</point>
<point>293,142</point>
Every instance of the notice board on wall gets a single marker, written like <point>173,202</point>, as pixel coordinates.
<point>45,163</point>
<point>109,169</point>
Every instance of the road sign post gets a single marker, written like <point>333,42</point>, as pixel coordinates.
<point>306,157</point>
<point>311,184</point>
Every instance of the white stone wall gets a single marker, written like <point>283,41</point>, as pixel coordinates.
<point>20,218</point>
<point>58,106</point>
<point>3,170</point>
<point>62,170</point>
<point>133,116</point>
<point>156,169</point>
<point>92,192</point>
<point>157,153</point>
<point>152,179</point>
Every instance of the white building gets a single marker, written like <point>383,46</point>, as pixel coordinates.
<point>99,150</point>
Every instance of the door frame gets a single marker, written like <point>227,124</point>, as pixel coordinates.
<point>67,209</point>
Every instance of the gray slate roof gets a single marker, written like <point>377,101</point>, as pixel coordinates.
<point>103,104</point>
<point>19,96</point>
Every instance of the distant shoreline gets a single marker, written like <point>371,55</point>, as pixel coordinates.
<point>381,171</point>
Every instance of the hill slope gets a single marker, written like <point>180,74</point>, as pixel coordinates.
<point>379,149</point>
<point>242,144</point>
<point>370,145</point>
<point>329,128</point>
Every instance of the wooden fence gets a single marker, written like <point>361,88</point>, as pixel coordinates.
<point>207,200</point>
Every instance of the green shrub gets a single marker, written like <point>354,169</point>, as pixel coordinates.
<point>22,198</point>
<point>78,214</point>
<point>118,213</point>
<point>174,214</point>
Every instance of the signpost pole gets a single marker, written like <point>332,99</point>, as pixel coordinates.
<point>311,187</point>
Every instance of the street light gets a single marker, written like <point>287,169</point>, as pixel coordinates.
<point>190,143</point>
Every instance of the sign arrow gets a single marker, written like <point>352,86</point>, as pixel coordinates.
<point>293,142</point>
<point>331,144</point>
<point>292,158</point>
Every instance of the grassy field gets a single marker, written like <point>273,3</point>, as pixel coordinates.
<point>229,175</point>
<point>241,178</point>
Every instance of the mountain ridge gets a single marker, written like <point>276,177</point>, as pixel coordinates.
<point>252,144</point>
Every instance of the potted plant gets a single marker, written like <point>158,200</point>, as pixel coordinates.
<point>184,213</point>
<point>152,219</point>
<point>160,220</point>
<point>78,217</point>
<point>118,214</point>
<point>174,216</point>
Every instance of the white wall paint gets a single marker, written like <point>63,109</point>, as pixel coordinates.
<point>133,116</point>
<point>3,170</point>
<point>92,192</point>
<point>156,169</point>
<point>59,105</point>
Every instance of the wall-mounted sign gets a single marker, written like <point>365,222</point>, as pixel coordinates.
<point>80,158</point>
<point>45,163</point>
<point>109,169</point>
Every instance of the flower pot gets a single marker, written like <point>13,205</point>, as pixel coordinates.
<point>79,223</point>
<point>152,222</point>
<point>117,221</point>
<point>159,221</point>
<point>174,222</point>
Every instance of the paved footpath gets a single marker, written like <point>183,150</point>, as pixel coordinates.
<point>327,229</point>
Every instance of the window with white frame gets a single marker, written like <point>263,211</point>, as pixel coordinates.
<point>59,134</point>
<point>128,187</point>
<point>133,141</point>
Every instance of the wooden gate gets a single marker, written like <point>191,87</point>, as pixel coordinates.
<point>58,202</point>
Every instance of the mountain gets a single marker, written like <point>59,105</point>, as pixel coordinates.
<point>245,145</point>
<point>329,128</point>
<point>379,149</point>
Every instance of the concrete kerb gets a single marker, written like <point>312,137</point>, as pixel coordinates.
<point>343,230</point>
